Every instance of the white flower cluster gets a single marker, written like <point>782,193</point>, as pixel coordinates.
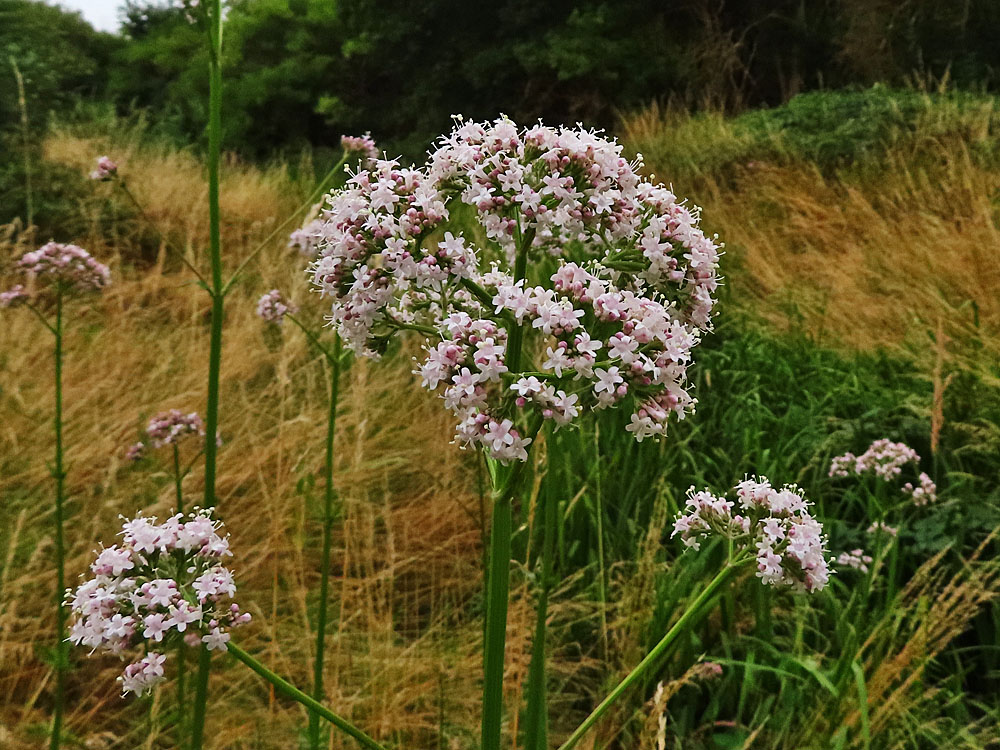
<point>857,559</point>
<point>886,460</point>
<point>273,307</point>
<point>68,266</point>
<point>165,582</point>
<point>775,526</point>
<point>551,278</point>
<point>106,170</point>
<point>925,491</point>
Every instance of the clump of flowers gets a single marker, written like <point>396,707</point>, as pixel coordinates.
<point>883,458</point>
<point>273,307</point>
<point>360,145</point>
<point>16,295</point>
<point>856,559</point>
<point>881,527</point>
<point>164,582</point>
<point>589,290</point>
<point>68,267</point>
<point>925,491</point>
<point>773,527</point>
<point>169,428</point>
<point>106,170</point>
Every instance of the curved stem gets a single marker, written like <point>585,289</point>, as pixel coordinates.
<point>329,516</point>
<point>685,620</point>
<point>286,688</point>
<point>145,217</point>
<point>61,659</point>
<point>313,337</point>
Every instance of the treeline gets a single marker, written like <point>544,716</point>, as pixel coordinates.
<point>301,72</point>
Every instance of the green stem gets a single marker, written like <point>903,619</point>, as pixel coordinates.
<point>328,519</point>
<point>152,225</point>
<point>22,103</point>
<point>197,729</point>
<point>498,588</point>
<point>200,698</point>
<point>536,718</point>
<point>693,610</point>
<point>215,249</point>
<point>61,659</point>
<point>286,688</point>
<point>179,493</point>
<point>314,339</point>
<point>498,573</point>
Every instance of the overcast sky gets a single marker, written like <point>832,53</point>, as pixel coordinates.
<point>102,14</point>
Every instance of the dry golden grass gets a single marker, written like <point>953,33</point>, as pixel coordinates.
<point>856,259</point>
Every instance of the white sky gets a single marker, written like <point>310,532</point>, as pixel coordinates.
<point>102,14</point>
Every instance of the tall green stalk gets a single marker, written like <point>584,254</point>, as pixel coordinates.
<point>214,18</point>
<point>179,494</point>
<point>329,516</point>
<point>536,714</point>
<point>684,621</point>
<point>506,484</point>
<point>61,656</point>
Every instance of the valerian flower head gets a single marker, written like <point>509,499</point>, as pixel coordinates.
<point>169,428</point>
<point>164,582</point>
<point>106,170</point>
<point>16,295</point>
<point>67,266</point>
<point>883,458</point>
<point>857,559</point>
<point>773,526</point>
<point>882,528</point>
<point>273,307</point>
<point>550,277</point>
<point>362,146</point>
<point>925,491</point>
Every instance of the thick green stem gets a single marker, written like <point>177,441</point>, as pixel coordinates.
<point>197,728</point>
<point>286,688</point>
<point>200,698</point>
<point>536,715</point>
<point>329,515</point>
<point>215,249</point>
<point>179,495</point>
<point>61,657</point>
<point>498,588</point>
<point>685,620</point>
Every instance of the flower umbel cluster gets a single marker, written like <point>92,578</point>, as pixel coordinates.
<point>169,428</point>
<point>856,558</point>
<point>16,295</point>
<point>925,491</point>
<point>884,458</point>
<point>65,266</point>
<point>550,278</point>
<point>273,307</point>
<point>361,145</point>
<point>772,526</point>
<point>164,582</point>
<point>881,527</point>
<point>106,170</point>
